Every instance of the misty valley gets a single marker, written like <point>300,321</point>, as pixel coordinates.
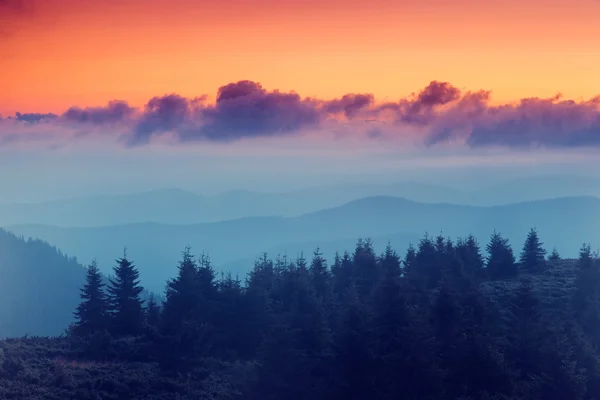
<point>375,297</point>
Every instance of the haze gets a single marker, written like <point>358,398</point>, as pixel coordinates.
<point>300,199</point>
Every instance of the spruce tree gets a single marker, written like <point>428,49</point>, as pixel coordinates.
<point>586,299</point>
<point>342,271</point>
<point>152,312</point>
<point>231,320</point>
<point>390,263</point>
<point>125,304</point>
<point>586,258</point>
<point>523,333</point>
<point>257,301</point>
<point>533,254</point>
<point>554,256</point>
<point>402,366</point>
<point>184,329</point>
<point>366,272</point>
<point>302,264</point>
<point>428,270</point>
<point>501,260</point>
<point>207,283</point>
<point>182,293</point>
<point>409,261</point>
<point>469,253</point>
<point>353,349</point>
<point>92,312</point>
<point>320,276</point>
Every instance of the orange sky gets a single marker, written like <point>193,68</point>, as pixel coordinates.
<point>86,52</point>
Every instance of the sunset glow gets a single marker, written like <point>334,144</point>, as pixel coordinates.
<point>60,53</point>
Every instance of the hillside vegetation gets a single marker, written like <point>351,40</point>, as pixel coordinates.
<point>442,322</point>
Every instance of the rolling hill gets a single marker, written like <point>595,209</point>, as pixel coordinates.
<point>176,206</point>
<point>156,248</point>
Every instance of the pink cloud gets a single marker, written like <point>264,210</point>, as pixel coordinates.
<point>245,110</point>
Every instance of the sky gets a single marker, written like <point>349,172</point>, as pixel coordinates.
<point>122,95</point>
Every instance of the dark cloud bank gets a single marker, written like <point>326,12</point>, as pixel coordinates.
<point>246,110</point>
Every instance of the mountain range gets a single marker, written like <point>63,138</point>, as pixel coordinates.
<point>175,206</point>
<point>233,244</point>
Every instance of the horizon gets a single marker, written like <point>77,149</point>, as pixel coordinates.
<point>108,97</point>
<point>349,181</point>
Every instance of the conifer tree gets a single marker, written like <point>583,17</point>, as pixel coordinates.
<point>258,302</point>
<point>262,276</point>
<point>207,279</point>
<point>428,270</point>
<point>125,304</point>
<point>554,256</point>
<point>182,293</point>
<point>364,261</point>
<point>186,330</point>
<point>301,264</point>
<point>586,258</point>
<point>409,261</point>
<point>320,276</point>
<point>501,260</point>
<point>586,299</point>
<point>231,319</point>
<point>152,312</point>
<point>91,314</point>
<point>451,263</point>
<point>208,291</point>
<point>342,273</point>
<point>337,264</point>
<point>390,263</point>
<point>352,349</point>
<point>533,254</point>
<point>441,244</point>
<point>469,253</point>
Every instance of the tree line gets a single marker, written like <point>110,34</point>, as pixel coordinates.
<point>417,326</point>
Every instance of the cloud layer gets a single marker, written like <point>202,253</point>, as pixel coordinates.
<point>438,114</point>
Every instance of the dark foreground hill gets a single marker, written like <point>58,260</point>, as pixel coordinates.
<point>500,339</point>
<point>234,244</point>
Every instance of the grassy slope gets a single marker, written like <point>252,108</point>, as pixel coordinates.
<point>42,368</point>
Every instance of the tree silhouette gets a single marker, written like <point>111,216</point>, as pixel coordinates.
<point>533,254</point>
<point>153,310</point>
<point>125,305</point>
<point>410,261</point>
<point>182,293</point>
<point>92,312</point>
<point>554,256</point>
<point>586,257</point>
<point>469,253</point>
<point>438,328</point>
<point>321,278</point>
<point>500,260</point>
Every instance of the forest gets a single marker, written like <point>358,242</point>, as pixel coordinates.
<point>449,319</point>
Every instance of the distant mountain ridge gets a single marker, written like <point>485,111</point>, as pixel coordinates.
<point>176,206</point>
<point>564,222</point>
